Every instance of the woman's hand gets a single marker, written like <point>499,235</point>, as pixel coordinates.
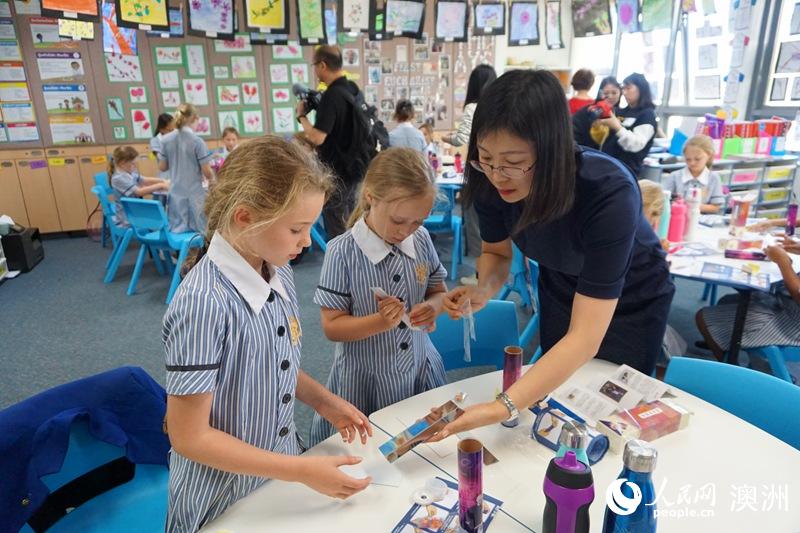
<point>423,315</point>
<point>347,420</point>
<point>323,475</point>
<point>391,310</point>
<point>474,416</point>
<point>455,300</point>
<point>611,122</point>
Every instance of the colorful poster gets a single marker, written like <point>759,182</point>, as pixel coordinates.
<point>195,60</point>
<point>283,120</point>
<point>591,18</point>
<point>405,17</point>
<point>239,43</point>
<point>228,119</point>
<point>72,129</point>
<point>9,51</point>
<point>65,99</point>
<point>251,94</point>
<point>253,121</point>
<point>353,16</point>
<point>267,16</point>
<point>72,9</point>
<point>451,21</point>
<point>7,31</point>
<point>628,15</point>
<point>490,18</point>
<point>311,21</point>
<point>523,24</point>
<point>59,65</point>
<point>27,7</point>
<point>122,68</point>
<point>44,33</point>
<point>12,71</point>
<point>22,132</point>
<point>143,14</point>
<point>195,91</point>
<point>243,67</point>
<point>175,25</point>
<point>14,92</point>
<point>656,14</point>
<point>211,18</point>
<point>79,30</point>
<point>552,29</point>
<point>18,112</point>
<point>142,126</point>
<point>116,39</point>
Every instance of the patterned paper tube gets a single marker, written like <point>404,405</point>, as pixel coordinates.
<point>512,369</point>
<point>470,485</point>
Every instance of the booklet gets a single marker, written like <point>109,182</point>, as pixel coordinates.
<point>731,274</point>
<point>420,431</point>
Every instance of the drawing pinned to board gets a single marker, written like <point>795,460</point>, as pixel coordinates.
<point>228,95</point>
<point>240,43</point>
<point>123,69</point>
<point>281,96</point>
<point>490,18</point>
<point>142,125</point>
<point>287,51</point>
<point>552,28</point>
<point>251,94</point>
<point>628,15</point>
<point>115,109</point>
<point>168,79</point>
<point>350,57</point>
<point>590,18</point>
<point>228,119</point>
<point>79,30</point>
<point>267,16</point>
<point>143,14</point>
<point>788,58</point>
<point>171,99</point>
<point>451,20</point>
<point>279,74</point>
<point>656,14</point>
<point>330,24</point>
<point>195,91</point>
<point>221,72</point>
<point>211,18</point>
<point>405,18</point>
<point>120,133</point>
<point>115,38</point>
<point>778,92</point>
<point>353,16</point>
<point>195,60</point>
<point>243,67</point>
<point>374,75</point>
<point>252,121</point>
<point>707,87</point>
<point>137,95</point>
<point>44,33</point>
<point>523,24</point>
<point>300,74</point>
<point>795,89</point>
<point>707,56</point>
<point>203,127</point>
<point>85,10</point>
<point>311,21</point>
<point>169,55</point>
<point>282,120</point>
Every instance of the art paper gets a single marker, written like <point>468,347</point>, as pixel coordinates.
<point>137,95</point>
<point>239,43</point>
<point>351,57</point>
<point>243,67</point>
<point>552,29</point>
<point>228,95</point>
<point>788,58</point>
<point>267,15</point>
<point>310,19</point>
<point>590,18</point>
<point>353,15</point>
<point>221,72</point>
<point>44,33</point>
<point>490,18</point>
<point>279,74</point>
<point>175,25</point>
<point>122,68</point>
<point>656,14</point>
<point>169,55</point>
<point>707,56</point>
<point>143,14</point>
<point>71,9</point>
<point>203,127</point>
<point>451,21</point>
<point>115,109</point>
<point>281,96</point>
<point>251,95</point>
<point>253,121</point>
<point>524,23</point>
<point>115,39</point>
<point>168,79</point>
<point>171,99</point>
<point>80,30</point>
<point>300,74</point>
<point>195,60</point>
<point>195,91</point>
<point>778,92</point>
<point>404,17</point>
<point>287,51</point>
<point>628,15</point>
<point>228,119</point>
<point>211,18</point>
<point>142,125</point>
<point>120,133</point>
<point>283,120</point>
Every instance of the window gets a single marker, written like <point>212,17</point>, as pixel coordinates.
<point>783,83</point>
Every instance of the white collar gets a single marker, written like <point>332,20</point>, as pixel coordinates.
<point>702,178</point>
<point>253,288</point>
<point>376,248</point>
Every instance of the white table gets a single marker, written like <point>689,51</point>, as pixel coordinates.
<point>716,449</point>
<point>282,506</point>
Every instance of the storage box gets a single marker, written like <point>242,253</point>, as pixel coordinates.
<point>647,421</point>
<point>717,148</point>
<point>764,145</point>
<point>732,146</point>
<point>23,249</point>
<point>749,145</point>
<point>781,173</point>
<point>778,146</point>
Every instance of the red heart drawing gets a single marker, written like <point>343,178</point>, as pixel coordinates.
<point>146,126</point>
<point>139,91</point>
<point>138,116</point>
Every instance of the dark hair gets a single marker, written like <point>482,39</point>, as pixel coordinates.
<point>645,96</point>
<point>404,111</point>
<point>228,130</point>
<point>330,55</point>
<point>608,80</point>
<point>481,76</point>
<point>163,121</point>
<point>531,105</point>
<point>582,80</point>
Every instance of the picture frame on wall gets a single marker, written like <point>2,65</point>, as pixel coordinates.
<point>523,24</point>
<point>212,21</point>
<point>311,22</point>
<point>150,15</point>
<point>778,91</point>
<point>489,18</point>
<point>377,21</point>
<point>353,16</point>
<point>85,10</point>
<point>405,18</point>
<point>267,16</point>
<point>451,20</point>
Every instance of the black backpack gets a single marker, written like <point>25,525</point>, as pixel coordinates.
<point>369,134</point>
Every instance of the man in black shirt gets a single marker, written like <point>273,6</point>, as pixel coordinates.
<point>333,134</point>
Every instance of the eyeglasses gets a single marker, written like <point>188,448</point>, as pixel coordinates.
<point>508,172</point>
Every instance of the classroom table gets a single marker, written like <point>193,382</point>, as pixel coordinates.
<point>717,455</point>
<point>691,268</point>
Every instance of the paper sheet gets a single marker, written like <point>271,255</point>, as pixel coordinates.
<point>380,293</point>
<point>469,330</point>
<point>381,472</point>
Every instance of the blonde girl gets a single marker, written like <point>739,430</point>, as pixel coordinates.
<point>699,155</point>
<point>126,181</point>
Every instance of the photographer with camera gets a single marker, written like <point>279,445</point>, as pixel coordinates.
<point>341,138</point>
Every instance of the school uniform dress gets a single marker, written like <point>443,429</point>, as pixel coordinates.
<point>602,248</point>
<point>680,181</point>
<point>231,333</point>
<point>186,153</point>
<point>155,147</point>
<point>124,185</point>
<point>406,135</point>
<point>631,143</point>
<point>396,364</point>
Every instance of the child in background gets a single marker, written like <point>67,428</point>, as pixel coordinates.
<point>165,125</point>
<point>126,181</point>
<point>699,154</point>
<point>381,360</point>
<point>653,205</point>
<point>431,146</point>
<point>230,139</point>
<point>232,339</point>
<point>582,82</point>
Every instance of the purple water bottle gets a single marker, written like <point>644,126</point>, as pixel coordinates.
<point>791,219</point>
<point>569,490</point>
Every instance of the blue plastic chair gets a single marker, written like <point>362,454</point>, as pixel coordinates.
<point>151,227</point>
<point>525,282</point>
<point>495,328</point>
<point>710,293</point>
<point>319,236</point>
<point>777,356</point>
<point>120,235</point>
<point>442,220</point>
<point>101,181</point>
<point>753,396</point>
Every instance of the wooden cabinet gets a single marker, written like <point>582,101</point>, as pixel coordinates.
<point>37,190</point>
<point>11,201</point>
<point>68,192</point>
<point>89,165</point>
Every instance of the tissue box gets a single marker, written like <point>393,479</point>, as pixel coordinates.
<point>646,421</point>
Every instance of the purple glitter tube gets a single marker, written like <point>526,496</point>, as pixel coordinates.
<point>512,370</point>
<point>470,485</point>
<point>791,219</point>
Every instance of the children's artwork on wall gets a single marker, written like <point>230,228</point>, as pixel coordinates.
<point>70,9</point>
<point>115,109</point>
<point>44,33</point>
<point>778,92</point>
<point>251,95</point>
<point>311,21</point>
<point>171,99</point>
<point>795,89</point>
<point>287,51</point>
<point>523,24</point>
<point>377,21</point>
<point>169,55</point>
<point>79,30</point>
<point>115,38</point>
<point>143,14</point>
<point>451,20</point>
<point>228,95</point>
<point>243,67</point>
<point>283,120</point>
<point>269,38</point>
<point>142,125</point>
<point>353,15</point>
<point>65,99</point>
<point>374,75</point>
<point>279,74</point>
<point>123,69</point>
<point>137,95</point>
<point>794,23</point>
<point>330,24</point>
<point>788,58</point>
<point>203,127</point>
<point>27,7</point>
<point>707,56</point>
<point>195,91</point>
<point>490,18</point>
<point>120,133</point>
<point>351,57</point>
<point>211,18</point>
<point>228,119</point>
<point>707,87</point>
<point>590,18</point>
<point>405,18</point>
<point>300,74</point>
<point>267,16</point>
<point>239,43</point>
<point>628,15</point>
<point>221,72</point>
<point>252,121</point>
<point>281,96</point>
<point>168,79</point>
<point>195,60</point>
<point>175,25</point>
<point>552,29</point>
<point>656,14</point>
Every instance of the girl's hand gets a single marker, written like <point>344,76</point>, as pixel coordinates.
<point>347,420</point>
<point>778,256</point>
<point>790,245</point>
<point>391,310</point>
<point>455,300</point>
<point>474,416</point>
<point>423,315</point>
<point>164,186</point>
<point>323,475</point>
<point>760,227</point>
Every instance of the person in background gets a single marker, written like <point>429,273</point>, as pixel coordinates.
<point>588,131</point>
<point>166,124</point>
<point>582,82</point>
<point>230,139</point>
<point>653,205</point>
<point>126,181</point>
<point>187,158</point>
<point>405,135</point>
<point>633,128</point>
<point>431,147</point>
<point>699,155</point>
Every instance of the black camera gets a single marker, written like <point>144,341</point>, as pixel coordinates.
<point>309,97</point>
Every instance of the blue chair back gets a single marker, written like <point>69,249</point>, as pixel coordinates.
<point>101,179</point>
<point>145,216</point>
<point>106,205</point>
<point>441,216</point>
<point>753,396</point>
<point>495,328</point>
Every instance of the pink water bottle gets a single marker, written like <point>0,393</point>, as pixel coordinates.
<point>677,221</point>
<point>459,165</point>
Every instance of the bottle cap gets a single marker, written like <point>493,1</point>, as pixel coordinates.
<point>574,435</point>
<point>639,456</point>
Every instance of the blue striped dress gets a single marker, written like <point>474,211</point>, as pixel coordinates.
<point>396,364</point>
<point>230,333</point>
